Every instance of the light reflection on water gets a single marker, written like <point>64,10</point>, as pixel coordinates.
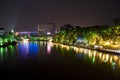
<point>28,48</point>
<point>36,49</point>
<point>95,56</point>
<point>5,52</point>
<point>1,54</point>
<point>49,45</point>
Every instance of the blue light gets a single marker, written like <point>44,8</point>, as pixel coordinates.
<point>28,49</point>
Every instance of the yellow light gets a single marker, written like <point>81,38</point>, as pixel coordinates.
<point>16,33</point>
<point>110,59</point>
<point>107,43</point>
<point>100,42</point>
<point>103,57</point>
<point>94,53</point>
<point>107,57</point>
<point>100,55</point>
<point>115,58</point>
<point>25,40</point>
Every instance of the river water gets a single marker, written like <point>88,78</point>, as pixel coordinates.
<point>57,60</point>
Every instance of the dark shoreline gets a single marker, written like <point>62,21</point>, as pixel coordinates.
<point>8,44</point>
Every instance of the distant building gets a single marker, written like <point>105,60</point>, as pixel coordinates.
<point>2,31</point>
<point>46,29</point>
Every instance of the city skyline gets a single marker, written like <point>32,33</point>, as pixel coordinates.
<point>27,14</point>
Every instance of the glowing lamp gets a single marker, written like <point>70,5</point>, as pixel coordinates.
<point>12,31</point>
<point>48,33</point>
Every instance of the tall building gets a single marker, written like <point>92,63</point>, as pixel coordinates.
<point>46,29</point>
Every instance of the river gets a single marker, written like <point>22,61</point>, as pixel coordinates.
<point>56,60</point>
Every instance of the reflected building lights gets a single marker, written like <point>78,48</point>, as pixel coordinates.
<point>107,57</point>
<point>119,62</point>
<point>67,48</point>
<point>48,48</point>
<point>1,54</point>
<point>101,57</point>
<point>6,49</point>
<point>1,50</point>
<point>94,53</point>
<point>115,58</point>
<point>33,48</point>
<point>25,40</point>
<point>28,48</point>
<point>23,48</point>
<point>11,49</point>
<point>93,60</point>
<point>89,53</point>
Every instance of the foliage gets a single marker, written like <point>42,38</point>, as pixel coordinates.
<point>106,36</point>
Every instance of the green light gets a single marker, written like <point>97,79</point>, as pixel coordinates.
<point>6,40</point>
<point>11,51</point>
<point>1,50</point>
<point>93,60</point>
<point>113,63</point>
<point>105,60</point>
<point>1,53</point>
<point>1,42</point>
<point>11,46</point>
<point>11,40</point>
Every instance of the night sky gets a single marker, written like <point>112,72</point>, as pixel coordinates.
<point>25,15</point>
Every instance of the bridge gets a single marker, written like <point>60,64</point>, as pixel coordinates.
<point>28,33</point>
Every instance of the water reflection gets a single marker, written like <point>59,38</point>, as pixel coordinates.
<point>26,48</point>
<point>23,48</point>
<point>49,46</point>
<point>41,49</point>
<point>93,55</point>
<point>3,53</point>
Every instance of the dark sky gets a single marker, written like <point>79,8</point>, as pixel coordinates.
<point>26,14</point>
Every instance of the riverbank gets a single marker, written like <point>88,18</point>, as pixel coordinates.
<point>109,51</point>
<point>8,44</point>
